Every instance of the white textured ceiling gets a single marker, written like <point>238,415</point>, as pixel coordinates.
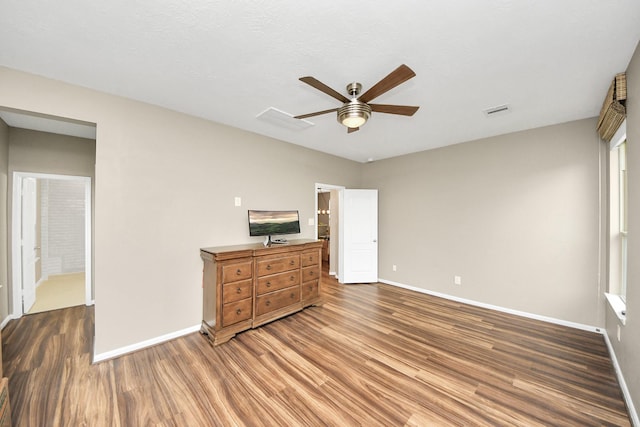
<point>552,61</point>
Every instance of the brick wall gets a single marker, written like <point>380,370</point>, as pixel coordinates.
<point>62,210</point>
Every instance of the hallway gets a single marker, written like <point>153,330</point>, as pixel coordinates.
<point>59,291</point>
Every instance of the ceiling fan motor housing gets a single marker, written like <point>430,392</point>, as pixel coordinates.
<point>354,113</point>
<point>354,89</point>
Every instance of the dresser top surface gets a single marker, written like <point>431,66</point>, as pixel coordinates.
<point>252,249</point>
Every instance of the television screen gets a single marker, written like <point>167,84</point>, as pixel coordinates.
<point>273,223</point>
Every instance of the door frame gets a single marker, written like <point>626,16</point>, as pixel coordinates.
<point>28,241</point>
<point>16,226</point>
<point>333,234</point>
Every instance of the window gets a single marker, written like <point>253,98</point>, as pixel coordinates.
<point>618,190</point>
<point>622,210</point>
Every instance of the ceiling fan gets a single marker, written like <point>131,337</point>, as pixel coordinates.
<point>356,111</point>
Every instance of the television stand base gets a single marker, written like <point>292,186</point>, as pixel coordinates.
<point>268,241</point>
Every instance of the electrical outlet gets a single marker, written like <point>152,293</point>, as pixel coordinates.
<point>394,267</point>
<point>238,201</point>
<point>457,280</point>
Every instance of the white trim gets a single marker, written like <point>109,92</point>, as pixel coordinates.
<point>333,235</point>
<point>144,344</point>
<point>620,136</point>
<point>497,308</point>
<point>16,251</point>
<point>88,266</point>
<point>618,306</point>
<point>16,225</point>
<point>319,187</point>
<point>41,281</point>
<point>633,414</point>
<point>7,320</point>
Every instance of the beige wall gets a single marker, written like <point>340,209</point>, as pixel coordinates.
<point>42,152</point>
<point>164,187</point>
<point>4,242</point>
<point>628,348</point>
<point>516,216</point>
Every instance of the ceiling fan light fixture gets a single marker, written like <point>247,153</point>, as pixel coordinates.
<point>354,114</point>
<point>356,111</point>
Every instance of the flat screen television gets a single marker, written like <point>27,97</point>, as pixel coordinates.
<point>273,223</point>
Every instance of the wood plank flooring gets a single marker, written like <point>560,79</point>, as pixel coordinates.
<point>373,355</point>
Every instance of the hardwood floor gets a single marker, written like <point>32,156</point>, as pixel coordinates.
<point>373,355</point>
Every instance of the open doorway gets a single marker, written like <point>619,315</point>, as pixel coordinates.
<point>350,229</point>
<point>51,242</point>
<point>327,226</point>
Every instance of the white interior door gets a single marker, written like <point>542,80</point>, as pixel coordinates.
<point>358,236</point>
<point>28,243</point>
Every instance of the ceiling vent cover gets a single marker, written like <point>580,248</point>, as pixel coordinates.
<point>282,119</point>
<point>498,110</point>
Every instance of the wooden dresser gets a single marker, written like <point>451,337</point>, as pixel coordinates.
<point>245,286</point>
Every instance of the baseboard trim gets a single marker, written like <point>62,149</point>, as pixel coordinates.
<point>7,320</point>
<point>41,281</point>
<point>623,384</point>
<point>497,307</point>
<point>144,344</point>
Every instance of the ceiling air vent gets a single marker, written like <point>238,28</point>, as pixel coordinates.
<point>283,119</point>
<point>498,110</point>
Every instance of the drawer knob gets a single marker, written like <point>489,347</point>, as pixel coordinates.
<point>268,284</point>
<point>238,272</point>
<point>311,273</point>
<point>292,278</point>
<point>268,303</point>
<point>293,295</point>
<point>311,258</point>
<point>238,311</point>
<point>269,267</point>
<point>239,290</point>
<point>292,262</point>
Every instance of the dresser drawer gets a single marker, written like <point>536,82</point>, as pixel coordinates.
<point>310,273</point>
<point>276,300</point>
<point>236,312</point>
<point>310,258</point>
<point>278,265</point>
<point>236,291</point>
<point>235,272</point>
<point>277,281</point>
<point>310,290</point>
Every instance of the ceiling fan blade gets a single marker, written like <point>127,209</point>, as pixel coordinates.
<point>396,77</point>
<point>403,110</point>
<point>317,113</point>
<point>313,82</point>
<point>351,130</point>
